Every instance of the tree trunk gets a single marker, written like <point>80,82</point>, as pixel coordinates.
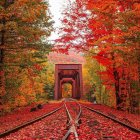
<point>2,43</point>
<point>117,78</point>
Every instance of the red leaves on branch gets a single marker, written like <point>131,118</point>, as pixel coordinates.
<point>1,73</point>
<point>101,58</point>
<point>112,29</point>
<point>38,67</point>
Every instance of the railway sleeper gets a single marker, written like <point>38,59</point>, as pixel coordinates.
<point>110,138</point>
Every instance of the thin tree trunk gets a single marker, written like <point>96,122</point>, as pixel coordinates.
<point>117,78</point>
<point>2,43</point>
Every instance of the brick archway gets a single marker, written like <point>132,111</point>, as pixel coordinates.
<point>68,73</point>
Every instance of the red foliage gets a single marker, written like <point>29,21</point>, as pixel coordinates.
<point>93,126</point>
<point>93,123</point>
<point>37,67</point>
<point>23,115</point>
<point>112,28</point>
<point>1,73</point>
<point>131,119</point>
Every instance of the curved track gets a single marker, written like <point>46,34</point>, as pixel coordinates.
<point>75,112</point>
<point>73,122</point>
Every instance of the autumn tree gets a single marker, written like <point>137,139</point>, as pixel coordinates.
<point>74,31</point>
<point>114,28</point>
<point>25,26</point>
<point>117,22</point>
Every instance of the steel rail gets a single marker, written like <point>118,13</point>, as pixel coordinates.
<point>15,129</point>
<point>80,112</point>
<point>73,123</point>
<point>115,120</point>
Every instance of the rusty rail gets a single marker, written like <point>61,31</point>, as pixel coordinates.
<point>72,123</point>
<point>15,129</point>
<point>114,119</point>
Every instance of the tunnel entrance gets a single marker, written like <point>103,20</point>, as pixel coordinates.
<point>68,73</point>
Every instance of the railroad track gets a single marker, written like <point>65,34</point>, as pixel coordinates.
<point>15,129</point>
<point>73,121</point>
<point>75,124</point>
<point>136,130</point>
